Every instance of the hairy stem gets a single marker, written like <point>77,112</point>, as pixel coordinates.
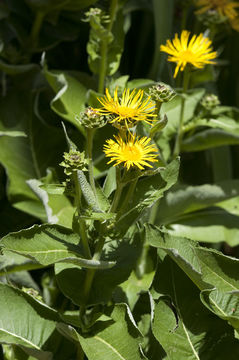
<point>90,136</point>
<point>82,229</point>
<point>104,47</point>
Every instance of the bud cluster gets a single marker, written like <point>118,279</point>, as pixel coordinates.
<point>210,101</point>
<point>92,119</point>
<point>74,160</point>
<point>161,92</point>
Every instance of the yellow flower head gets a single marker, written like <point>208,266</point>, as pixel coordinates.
<point>127,110</point>
<point>133,152</point>
<point>225,8</point>
<point>197,51</point>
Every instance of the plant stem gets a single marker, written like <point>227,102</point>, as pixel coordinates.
<point>36,27</point>
<point>181,118</point>
<point>104,47</point>
<point>127,197</point>
<point>158,105</point>
<point>82,230</point>
<point>90,136</point>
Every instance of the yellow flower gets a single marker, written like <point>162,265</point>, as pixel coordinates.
<point>197,51</point>
<point>133,152</point>
<point>225,8</point>
<point>128,109</point>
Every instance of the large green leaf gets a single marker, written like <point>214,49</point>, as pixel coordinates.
<point>185,199</point>
<point>208,139</point>
<point>182,325</point>
<point>212,225</point>
<point>223,304</point>
<point>213,273</point>
<point>123,252</point>
<point>48,244</point>
<point>206,267</point>
<point>26,322</point>
<point>70,97</point>
<point>25,158</point>
<point>117,339</point>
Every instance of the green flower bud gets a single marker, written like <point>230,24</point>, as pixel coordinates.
<point>161,92</point>
<point>74,160</point>
<point>211,17</point>
<point>92,119</point>
<point>210,101</point>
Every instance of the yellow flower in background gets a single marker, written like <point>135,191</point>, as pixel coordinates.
<point>197,51</point>
<point>128,109</point>
<point>132,152</point>
<point>225,8</point>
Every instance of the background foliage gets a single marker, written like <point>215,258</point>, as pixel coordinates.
<point>167,286</point>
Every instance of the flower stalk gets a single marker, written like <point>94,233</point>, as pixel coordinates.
<point>186,77</point>
<point>104,47</point>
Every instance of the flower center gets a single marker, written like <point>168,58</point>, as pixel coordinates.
<point>187,55</point>
<point>126,112</point>
<point>131,152</point>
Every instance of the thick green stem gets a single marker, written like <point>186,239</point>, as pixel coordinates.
<point>82,230</point>
<point>181,118</point>
<point>157,107</point>
<point>36,27</point>
<point>104,47</point>
<point>90,136</point>
<point>128,197</point>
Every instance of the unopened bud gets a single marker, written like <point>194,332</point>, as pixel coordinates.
<point>92,119</point>
<point>210,101</point>
<point>74,160</point>
<point>161,92</point>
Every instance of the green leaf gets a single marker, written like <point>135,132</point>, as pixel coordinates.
<point>11,262</point>
<point>147,192</point>
<point>16,69</point>
<point>181,323</point>
<point>25,158</point>
<point>223,304</point>
<point>58,208</point>
<point>213,225</point>
<point>117,340</point>
<point>208,139</point>
<point>185,199</point>
<point>12,133</point>
<point>113,41</point>
<point>31,332</point>
<point>163,10</point>
<point>206,267</point>
<point>49,244</point>
<point>123,252</point>
<point>134,286</point>
<point>70,96</point>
